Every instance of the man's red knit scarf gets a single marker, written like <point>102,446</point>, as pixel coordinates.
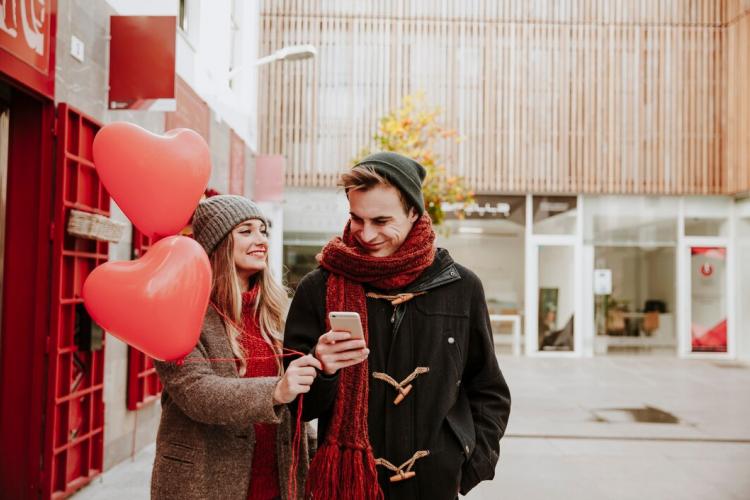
<point>344,466</point>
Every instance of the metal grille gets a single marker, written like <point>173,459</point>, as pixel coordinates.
<point>74,409</point>
<point>144,386</point>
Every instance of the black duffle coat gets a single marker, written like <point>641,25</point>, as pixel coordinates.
<point>458,411</point>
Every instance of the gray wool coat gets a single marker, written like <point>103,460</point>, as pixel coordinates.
<point>204,447</point>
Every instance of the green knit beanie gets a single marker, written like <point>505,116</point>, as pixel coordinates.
<point>216,216</point>
<point>406,174</point>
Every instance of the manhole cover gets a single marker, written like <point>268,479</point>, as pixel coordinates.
<point>646,414</point>
<point>731,364</point>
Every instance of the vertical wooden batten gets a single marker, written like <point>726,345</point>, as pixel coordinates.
<point>641,97</point>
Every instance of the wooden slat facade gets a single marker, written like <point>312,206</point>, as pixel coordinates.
<point>551,96</point>
<point>737,96</point>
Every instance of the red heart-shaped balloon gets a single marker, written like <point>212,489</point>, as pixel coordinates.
<point>156,303</point>
<point>157,180</point>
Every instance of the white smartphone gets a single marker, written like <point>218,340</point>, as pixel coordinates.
<point>344,321</point>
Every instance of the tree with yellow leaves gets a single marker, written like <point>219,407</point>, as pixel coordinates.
<point>413,130</point>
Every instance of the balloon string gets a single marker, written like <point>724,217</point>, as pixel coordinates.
<point>296,445</point>
<point>286,352</point>
<point>289,352</point>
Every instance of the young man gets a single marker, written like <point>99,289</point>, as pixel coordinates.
<point>422,417</point>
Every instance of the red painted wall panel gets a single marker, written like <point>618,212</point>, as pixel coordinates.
<point>27,44</point>
<point>141,59</point>
<point>236,163</point>
<point>192,111</point>
<point>269,178</point>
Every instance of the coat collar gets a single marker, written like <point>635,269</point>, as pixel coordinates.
<point>214,336</point>
<point>441,272</point>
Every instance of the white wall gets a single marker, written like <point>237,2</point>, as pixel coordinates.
<point>204,60</point>
<point>145,7</point>
<point>320,211</point>
<point>275,214</point>
<point>83,85</point>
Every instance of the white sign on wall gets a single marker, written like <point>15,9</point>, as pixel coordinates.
<point>602,281</point>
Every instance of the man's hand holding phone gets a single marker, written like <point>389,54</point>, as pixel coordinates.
<point>342,346</point>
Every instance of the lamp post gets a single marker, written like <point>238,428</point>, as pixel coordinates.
<point>289,53</point>
<point>269,169</point>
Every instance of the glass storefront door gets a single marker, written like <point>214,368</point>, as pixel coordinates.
<point>743,278</point>
<point>708,299</point>
<point>707,276</point>
<point>556,298</point>
<point>553,275</point>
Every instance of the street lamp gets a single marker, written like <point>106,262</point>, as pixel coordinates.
<point>290,53</point>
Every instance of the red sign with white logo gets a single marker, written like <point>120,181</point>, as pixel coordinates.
<point>27,36</point>
<point>707,269</point>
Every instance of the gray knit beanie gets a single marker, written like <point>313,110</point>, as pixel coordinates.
<point>216,216</point>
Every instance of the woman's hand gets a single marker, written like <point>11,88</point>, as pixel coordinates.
<point>337,350</point>
<point>297,379</point>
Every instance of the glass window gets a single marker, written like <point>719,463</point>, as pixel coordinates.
<point>696,226</point>
<point>555,214</point>
<point>490,240</point>
<point>707,215</point>
<point>630,221</point>
<point>743,274</point>
<point>183,18</point>
<point>743,230</point>
<point>633,311</point>
<point>300,250</point>
<point>298,261</point>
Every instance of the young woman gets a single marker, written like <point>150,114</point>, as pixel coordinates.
<point>225,429</point>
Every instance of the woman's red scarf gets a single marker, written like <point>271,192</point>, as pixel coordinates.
<point>261,362</point>
<point>344,466</point>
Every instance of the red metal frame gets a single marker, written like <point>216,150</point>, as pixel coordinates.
<point>74,442</point>
<point>25,318</point>
<point>144,386</point>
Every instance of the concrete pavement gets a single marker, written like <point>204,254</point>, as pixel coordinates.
<point>603,428</point>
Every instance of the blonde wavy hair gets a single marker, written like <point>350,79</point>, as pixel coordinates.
<point>226,295</point>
